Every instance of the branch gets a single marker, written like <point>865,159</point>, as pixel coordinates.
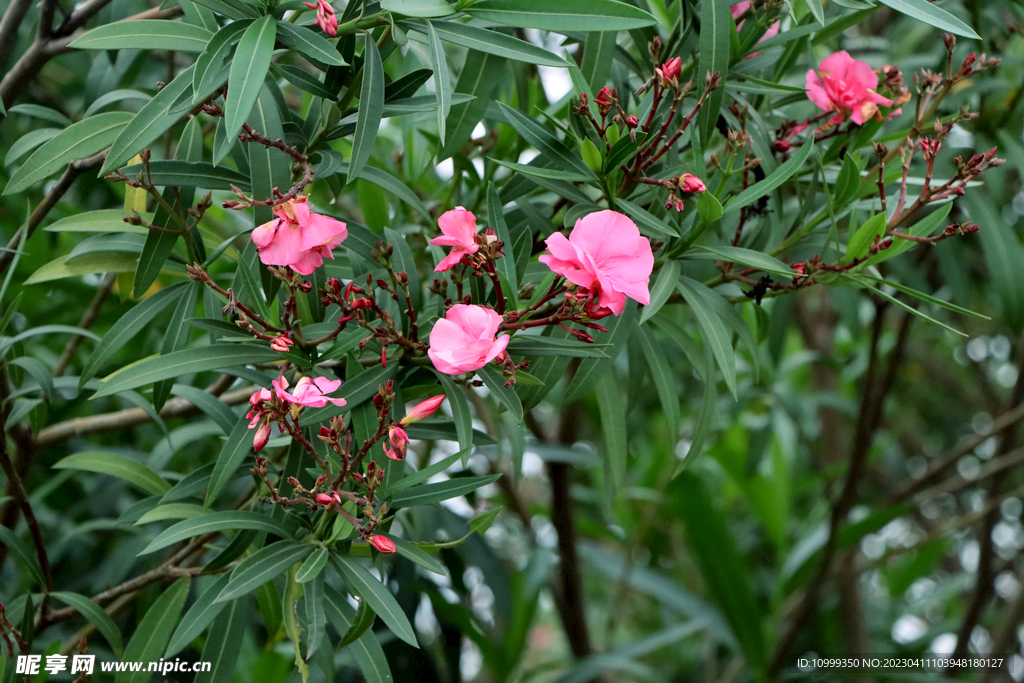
<point>126,419</point>
<point>11,21</point>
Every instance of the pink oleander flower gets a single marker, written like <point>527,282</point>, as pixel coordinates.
<point>670,70</point>
<point>605,253</point>
<point>394,446</point>
<point>383,544</point>
<point>737,11</point>
<point>846,86</point>
<point>309,392</point>
<point>325,17</point>
<point>281,344</point>
<point>298,238</point>
<point>464,340</point>
<point>691,183</point>
<point>422,410</point>
<point>459,232</point>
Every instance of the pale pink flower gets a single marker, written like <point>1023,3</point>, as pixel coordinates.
<point>737,11</point>
<point>394,446</point>
<point>298,238</point>
<point>281,344</point>
<point>309,392</point>
<point>422,410</point>
<point>325,17</point>
<point>846,86</point>
<point>464,340</point>
<point>383,544</point>
<point>605,253</point>
<point>459,232</point>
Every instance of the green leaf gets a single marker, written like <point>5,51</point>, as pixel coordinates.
<point>612,409</point>
<point>105,220</point>
<point>923,228</point>
<point>224,643</point>
<point>27,142</point>
<point>361,623</point>
<point>537,345</point>
<point>746,257</point>
<point>565,15</point>
<point>924,297</point>
<point>309,43</point>
<point>598,51</point>
<point>723,570</point>
<point>235,9</point>
<point>96,616</point>
<point>363,584</point>
<point>119,466</point>
<point>184,362</point>
<point>542,172</point>
<point>505,265</point>
<point>249,67</point>
<point>861,241</point>
<point>40,112</point>
<point>154,630</point>
<point>1003,253</point>
<point>388,182</point>
<point>126,327</point>
<point>422,475</point>
<point>709,208</point>
<point>460,410</point>
<point>369,656</point>
<point>268,168</point>
<point>781,175</point>
<point>313,565</point>
<point>662,289</point>
<point>145,34</point>
<point>495,382</point>
<point>215,409</point>
<point>210,65</point>
<point>371,108</point>
<point>494,43</point>
<point>706,305</point>
<point>590,370</point>
<point>232,453</point>
<point>817,10</point>
<point>203,611</point>
<point>442,79</point>
<point>418,8</point>
<point>191,174</point>
<point>649,224</point>
<point>550,147</point>
<point>38,372</point>
<point>863,282</point>
<point>715,50</point>
<point>77,141</point>
<point>171,511</point>
<point>264,565</point>
<point>416,555</point>
<point>151,122</point>
<point>99,262</point>
<point>217,521</point>
<point>664,378</point>
<point>438,491</point>
<point>922,10</point>
<point>24,554</point>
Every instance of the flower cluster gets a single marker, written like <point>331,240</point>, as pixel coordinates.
<point>298,238</point>
<point>847,87</point>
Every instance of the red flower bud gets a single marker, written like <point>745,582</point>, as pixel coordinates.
<point>690,183</point>
<point>281,344</point>
<point>423,410</point>
<point>632,122</point>
<point>262,437</point>
<point>383,544</point>
<point>604,99</point>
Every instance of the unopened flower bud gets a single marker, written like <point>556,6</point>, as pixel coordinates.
<point>632,121</point>
<point>422,410</point>
<point>281,344</point>
<point>262,437</point>
<point>690,183</point>
<point>383,544</point>
<point>604,99</point>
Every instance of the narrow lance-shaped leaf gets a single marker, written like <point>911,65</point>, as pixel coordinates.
<point>145,34</point>
<point>715,50</point>
<point>154,631</point>
<point>565,15</point>
<point>442,80</point>
<point>249,67</point>
<point>371,108</point>
<point>380,599</point>
<point>922,10</point>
